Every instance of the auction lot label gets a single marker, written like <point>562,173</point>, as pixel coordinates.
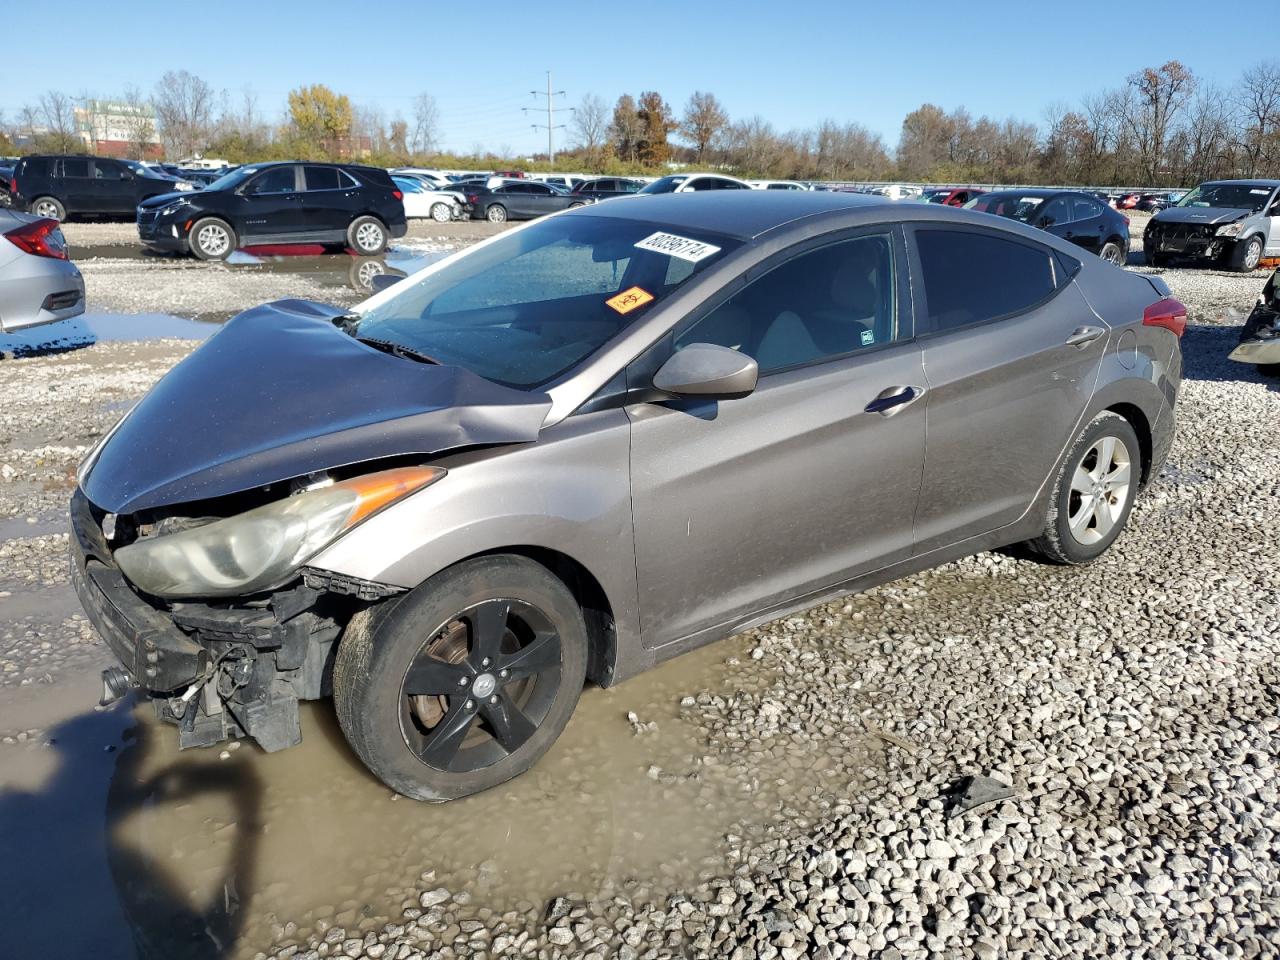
<point>676,246</point>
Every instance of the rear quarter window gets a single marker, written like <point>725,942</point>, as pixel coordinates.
<point>971,277</point>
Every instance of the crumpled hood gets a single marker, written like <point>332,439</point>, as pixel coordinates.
<point>1207,216</point>
<point>160,199</point>
<point>280,392</point>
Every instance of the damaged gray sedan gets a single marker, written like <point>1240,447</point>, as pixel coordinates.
<point>590,444</point>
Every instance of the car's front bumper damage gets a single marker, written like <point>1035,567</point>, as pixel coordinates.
<point>1260,335</point>
<point>217,671</point>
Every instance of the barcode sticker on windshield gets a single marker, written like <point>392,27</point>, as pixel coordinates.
<point>680,247</point>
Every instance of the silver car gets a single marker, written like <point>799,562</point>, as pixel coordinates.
<point>595,442</point>
<point>1231,222</point>
<point>38,283</point>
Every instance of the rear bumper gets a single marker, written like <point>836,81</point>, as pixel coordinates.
<point>39,290</point>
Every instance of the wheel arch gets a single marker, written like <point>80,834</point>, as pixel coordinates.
<point>1142,427</point>
<point>587,590</point>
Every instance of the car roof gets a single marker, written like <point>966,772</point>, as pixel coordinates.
<point>743,214</point>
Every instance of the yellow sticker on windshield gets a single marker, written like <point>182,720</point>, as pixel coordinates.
<point>629,300</point>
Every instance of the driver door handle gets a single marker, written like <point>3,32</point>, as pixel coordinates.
<point>1084,335</point>
<point>892,399</point>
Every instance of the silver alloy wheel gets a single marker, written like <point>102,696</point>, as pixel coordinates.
<point>1100,489</point>
<point>1252,254</point>
<point>497,213</point>
<point>440,212</point>
<point>369,237</point>
<point>212,240</point>
<point>1112,254</point>
<point>46,208</point>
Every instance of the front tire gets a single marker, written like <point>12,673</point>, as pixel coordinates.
<point>496,213</point>
<point>1094,492</point>
<point>1246,255</point>
<point>212,239</point>
<point>441,213</point>
<point>49,207</point>
<point>367,236</point>
<point>466,681</point>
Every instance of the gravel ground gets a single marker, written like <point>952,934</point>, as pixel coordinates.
<point>1129,710</point>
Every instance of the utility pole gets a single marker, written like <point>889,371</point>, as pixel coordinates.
<point>550,125</point>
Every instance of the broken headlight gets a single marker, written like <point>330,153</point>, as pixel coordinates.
<point>259,549</point>
<point>1230,229</point>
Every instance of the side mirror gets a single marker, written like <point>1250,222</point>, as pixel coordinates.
<point>707,371</point>
<point>1045,222</point>
<point>384,280</point>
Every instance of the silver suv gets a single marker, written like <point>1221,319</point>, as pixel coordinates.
<point>1232,222</point>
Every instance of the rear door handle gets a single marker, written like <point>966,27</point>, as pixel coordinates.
<point>892,399</point>
<point>1084,335</point>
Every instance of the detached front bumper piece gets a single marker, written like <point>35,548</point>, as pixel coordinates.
<point>1260,335</point>
<point>216,671</point>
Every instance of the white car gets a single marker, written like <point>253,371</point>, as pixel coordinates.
<point>436,177</point>
<point>898,191</point>
<point>566,180</point>
<point>779,185</point>
<point>693,182</point>
<point>421,203</point>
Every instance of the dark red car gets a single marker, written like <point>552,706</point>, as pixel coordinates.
<point>1128,201</point>
<point>951,197</point>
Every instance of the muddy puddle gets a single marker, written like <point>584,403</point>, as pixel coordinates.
<point>209,853</point>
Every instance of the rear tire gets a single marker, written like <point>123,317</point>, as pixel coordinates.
<point>1094,492</point>
<point>496,213</point>
<point>1245,255</point>
<point>367,236</point>
<point>1158,259</point>
<point>1112,252</point>
<point>211,239</point>
<point>473,722</point>
<point>49,207</point>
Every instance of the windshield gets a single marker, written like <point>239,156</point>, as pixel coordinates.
<point>407,185</point>
<point>664,184</point>
<point>229,181</point>
<point>143,170</point>
<point>1014,206</point>
<point>537,302</point>
<point>1234,196</point>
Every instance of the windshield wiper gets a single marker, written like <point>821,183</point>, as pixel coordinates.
<point>398,350</point>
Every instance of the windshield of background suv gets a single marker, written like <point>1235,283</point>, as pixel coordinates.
<point>664,184</point>
<point>536,302</point>
<point>142,170</point>
<point>1234,196</point>
<point>1014,206</point>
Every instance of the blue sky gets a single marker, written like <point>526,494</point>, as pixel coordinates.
<point>793,64</point>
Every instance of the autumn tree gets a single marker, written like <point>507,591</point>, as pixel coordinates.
<point>656,124</point>
<point>704,119</point>
<point>320,117</point>
<point>925,142</point>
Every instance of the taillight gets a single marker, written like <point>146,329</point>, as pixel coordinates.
<point>1168,313</point>
<point>1126,220</point>
<point>472,197</point>
<point>397,194</point>
<point>42,238</point>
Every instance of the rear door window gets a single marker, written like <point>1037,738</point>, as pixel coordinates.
<point>321,178</point>
<point>1056,212</point>
<point>75,168</point>
<point>971,277</point>
<point>1083,208</point>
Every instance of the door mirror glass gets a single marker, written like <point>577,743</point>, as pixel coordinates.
<point>708,371</point>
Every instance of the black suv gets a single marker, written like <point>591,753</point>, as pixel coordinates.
<point>63,186</point>
<point>267,203</point>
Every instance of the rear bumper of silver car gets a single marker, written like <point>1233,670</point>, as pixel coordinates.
<point>38,290</point>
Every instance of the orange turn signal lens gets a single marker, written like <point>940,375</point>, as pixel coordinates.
<point>376,490</point>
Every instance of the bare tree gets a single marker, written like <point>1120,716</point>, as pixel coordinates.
<point>626,128</point>
<point>184,106</point>
<point>51,123</point>
<point>426,124</point>
<point>139,122</point>
<point>590,126</point>
<point>704,120</point>
<point>1158,95</point>
<point>1258,99</point>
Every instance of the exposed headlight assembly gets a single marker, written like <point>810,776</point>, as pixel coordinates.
<point>1230,229</point>
<point>263,547</point>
